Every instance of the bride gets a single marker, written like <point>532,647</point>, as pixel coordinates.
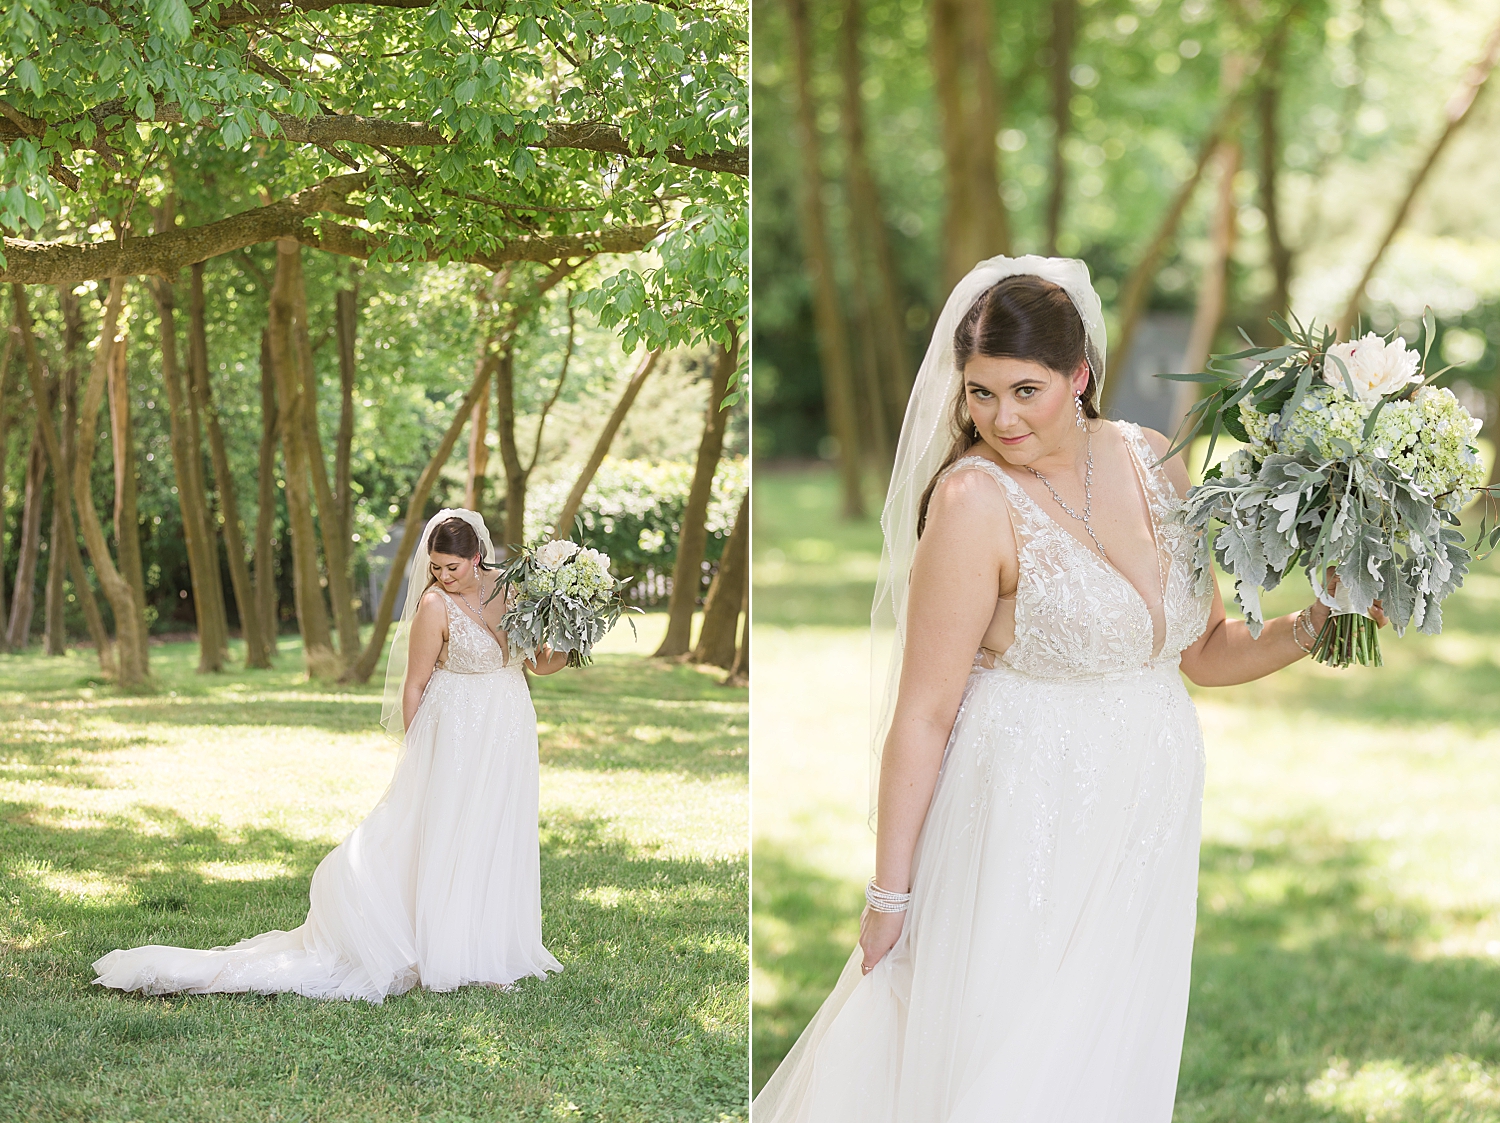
<point>440,885</point>
<point>1024,954</point>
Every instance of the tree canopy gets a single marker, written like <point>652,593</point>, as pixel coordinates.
<point>486,132</point>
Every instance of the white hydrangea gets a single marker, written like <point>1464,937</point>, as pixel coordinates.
<point>1428,439</point>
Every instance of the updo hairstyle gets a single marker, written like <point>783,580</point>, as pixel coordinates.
<point>1020,317</point>
<point>456,538</point>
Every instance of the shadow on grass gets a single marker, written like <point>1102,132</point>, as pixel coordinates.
<point>645,1023</point>
<point>647,715</point>
<point>1432,691</point>
<point>1309,988</point>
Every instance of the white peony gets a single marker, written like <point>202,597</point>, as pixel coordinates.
<point>1376,368</point>
<point>553,554</point>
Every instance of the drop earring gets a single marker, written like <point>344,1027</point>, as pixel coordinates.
<point>1078,412</point>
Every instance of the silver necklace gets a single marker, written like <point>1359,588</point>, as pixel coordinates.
<point>1088,493</point>
<point>472,609</point>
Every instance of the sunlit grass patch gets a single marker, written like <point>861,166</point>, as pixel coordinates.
<point>194,815</point>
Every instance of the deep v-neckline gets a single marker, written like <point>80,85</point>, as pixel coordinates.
<point>1158,643</point>
<point>486,628</point>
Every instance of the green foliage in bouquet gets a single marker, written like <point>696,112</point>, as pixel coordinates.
<point>1352,461</point>
<point>565,598</point>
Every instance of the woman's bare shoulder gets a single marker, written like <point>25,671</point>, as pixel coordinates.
<point>970,498</point>
<point>431,605</point>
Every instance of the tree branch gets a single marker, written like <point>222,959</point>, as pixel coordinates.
<point>56,263</point>
<point>262,11</point>
<point>349,128</point>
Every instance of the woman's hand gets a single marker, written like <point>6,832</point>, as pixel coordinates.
<point>546,661</point>
<point>878,933</point>
<point>1320,611</point>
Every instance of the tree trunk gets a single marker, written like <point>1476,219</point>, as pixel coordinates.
<point>201,388</point>
<point>692,537</point>
<point>517,474</point>
<point>56,631</point>
<point>191,500</point>
<point>122,444</point>
<point>739,673</point>
<point>479,451</point>
<point>335,543</point>
<point>65,539</point>
<point>23,603</point>
<point>504,369</point>
<point>1455,113</point>
<point>992,223</point>
<point>833,344</point>
<point>346,313</point>
<point>1064,20</point>
<point>266,607</point>
<point>1137,287</point>
<point>197,381</point>
<point>574,501</point>
<point>875,264</point>
<point>1268,103</point>
<point>718,638</point>
<point>976,225</point>
<point>312,614</point>
<point>132,658</point>
<point>362,668</point>
<point>5,361</point>
<point>1213,287</point>
<point>54,622</point>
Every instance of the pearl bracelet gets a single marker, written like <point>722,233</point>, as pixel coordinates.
<point>1304,621</point>
<point>883,900</point>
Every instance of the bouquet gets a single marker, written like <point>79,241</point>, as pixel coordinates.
<point>565,599</point>
<point>1352,462</point>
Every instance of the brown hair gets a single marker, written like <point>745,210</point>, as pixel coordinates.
<point>456,538</point>
<point>1020,317</point>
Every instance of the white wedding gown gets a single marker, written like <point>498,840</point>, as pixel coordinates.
<point>439,886</point>
<point>1042,973</point>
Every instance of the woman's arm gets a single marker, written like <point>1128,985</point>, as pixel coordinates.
<point>546,661</point>
<point>428,631</point>
<point>1226,654</point>
<point>955,583</point>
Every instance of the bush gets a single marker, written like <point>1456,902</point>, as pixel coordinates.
<point>633,512</point>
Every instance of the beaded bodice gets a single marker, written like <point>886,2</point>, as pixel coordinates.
<point>1076,615</point>
<point>471,650</point>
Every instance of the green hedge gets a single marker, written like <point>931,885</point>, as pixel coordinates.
<point>633,512</point>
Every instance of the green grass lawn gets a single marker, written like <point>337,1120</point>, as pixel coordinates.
<point>1347,964</point>
<point>195,816</point>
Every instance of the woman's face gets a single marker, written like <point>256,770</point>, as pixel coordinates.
<point>452,572</point>
<point>1023,410</point>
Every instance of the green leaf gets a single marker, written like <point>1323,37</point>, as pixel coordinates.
<point>172,18</point>
<point>29,76</point>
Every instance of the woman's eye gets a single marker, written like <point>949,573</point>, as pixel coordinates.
<point>1026,392</point>
<point>982,395</point>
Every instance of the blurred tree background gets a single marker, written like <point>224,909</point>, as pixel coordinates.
<point>292,277</point>
<point>1213,161</point>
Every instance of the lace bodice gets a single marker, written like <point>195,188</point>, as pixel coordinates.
<point>1076,615</point>
<point>471,651</point>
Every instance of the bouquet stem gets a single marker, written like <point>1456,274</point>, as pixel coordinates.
<point>1348,638</point>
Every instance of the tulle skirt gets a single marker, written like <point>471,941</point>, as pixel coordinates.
<point>439,886</point>
<point>1042,973</point>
